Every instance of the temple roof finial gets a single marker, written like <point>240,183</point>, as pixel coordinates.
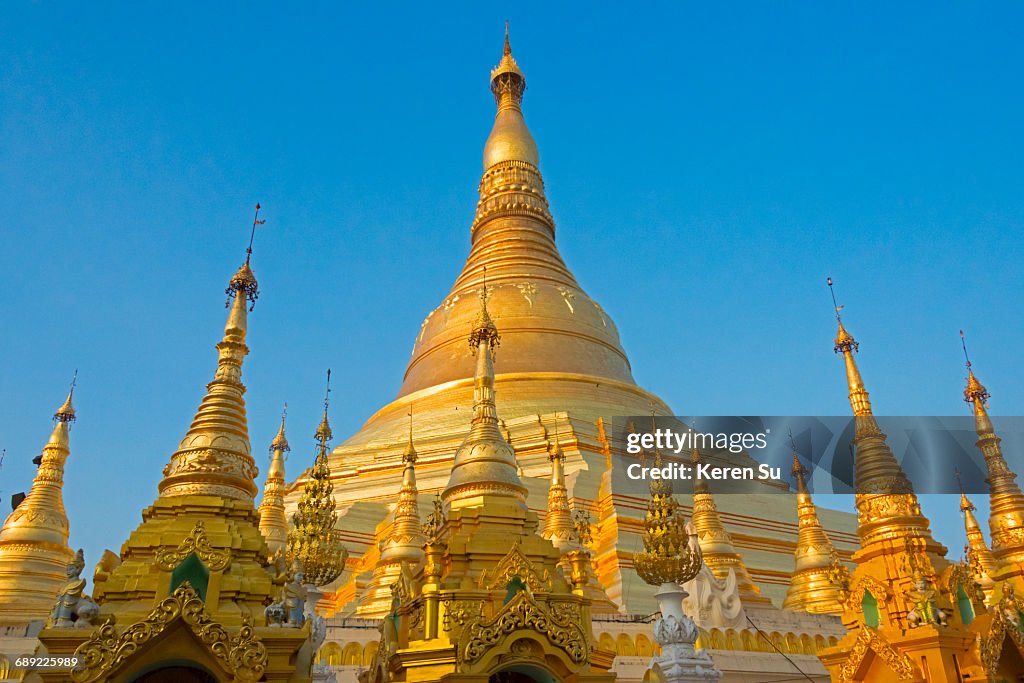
<point>975,393</point>
<point>280,443</point>
<point>323,432</point>
<point>66,413</point>
<point>409,455</point>
<point>244,281</point>
<point>484,330</point>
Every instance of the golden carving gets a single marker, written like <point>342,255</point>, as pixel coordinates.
<point>242,654</point>
<point>514,564</point>
<point>523,612</point>
<point>196,542</point>
<point>870,639</point>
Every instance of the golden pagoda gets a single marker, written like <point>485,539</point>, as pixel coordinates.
<point>906,608</point>
<point>558,526</point>
<point>186,596</point>
<point>818,575</point>
<point>34,552</point>
<point>1006,502</point>
<point>490,602</point>
<point>403,545</point>
<point>562,364</point>
<point>715,542</point>
<point>977,552</point>
<point>273,521</point>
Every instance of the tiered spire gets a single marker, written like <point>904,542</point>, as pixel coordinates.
<point>1006,506</point>
<point>715,542</point>
<point>403,544</point>
<point>887,506</point>
<point>273,521</point>
<point>812,587</point>
<point>978,555</point>
<point>313,540</point>
<point>558,524</point>
<point>214,457</point>
<point>34,548</point>
<point>485,463</point>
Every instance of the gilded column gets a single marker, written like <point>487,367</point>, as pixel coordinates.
<point>979,557</point>
<point>558,526</point>
<point>1006,502</point>
<point>812,587</point>
<point>273,521</point>
<point>34,550</point>
<point>403,544</point>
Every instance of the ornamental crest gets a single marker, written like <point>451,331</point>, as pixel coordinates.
<point>524,613</point>
<point>514,564</point>
<point>870,639</point>
<point>242,654</point>
<point>196,542</point>
<point>1006,619</point>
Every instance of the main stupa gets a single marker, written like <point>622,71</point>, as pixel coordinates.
<point>561,374</point>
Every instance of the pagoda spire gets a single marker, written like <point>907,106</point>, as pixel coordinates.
<point>715,541</point>
<point>273,521</point>
<point>558,524</point>
<point>405,543</point>
<point>811,587</point>
<point>214,458</point>
<point>886,504</point>
<point>1006,502</point>
<point>485,462</point>
<point>979,557</point>
<point>34,548</point>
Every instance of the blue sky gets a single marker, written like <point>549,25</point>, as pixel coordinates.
<point>707,166</point>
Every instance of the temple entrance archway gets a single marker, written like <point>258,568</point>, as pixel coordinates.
<point>176,673</point>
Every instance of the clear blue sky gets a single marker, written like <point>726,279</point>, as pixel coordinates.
<point>707,166</point>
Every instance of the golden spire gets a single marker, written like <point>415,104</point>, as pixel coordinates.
<point>558,524</point>
<point>672,553</point>
<point>715,542</point>
<point>1006,502</point>
<point>811,587</point>
<point>34,538</point>
<point>979,557</point>
<point>273,521</point>
<point>877,473</point>
<point>406,540</point>
<point>485,463</point>
<point>214,458</point>
<point>313,540</point>
<point>510,139</point>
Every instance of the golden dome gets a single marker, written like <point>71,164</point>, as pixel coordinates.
<point>559,349</point>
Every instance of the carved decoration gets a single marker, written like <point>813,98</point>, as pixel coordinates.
<point>869,639</point>
<point>961,575</point>
<point>514,564</point>
<point>1005,620</point>
<point>196,542</point>
<point>242,654</point>
<point>867,583</point>
<point>523,612</point>
<point>458,612</point>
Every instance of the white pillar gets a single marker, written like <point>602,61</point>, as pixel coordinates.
<point>679,661</point>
